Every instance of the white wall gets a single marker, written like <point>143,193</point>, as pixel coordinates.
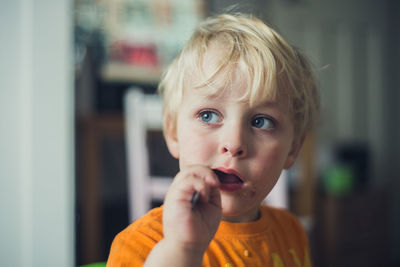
<point>36,137</point>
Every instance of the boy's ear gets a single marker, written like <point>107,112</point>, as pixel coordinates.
<point>171,138</point>
<point>294,152</point>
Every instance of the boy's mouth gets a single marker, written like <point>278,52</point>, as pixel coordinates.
<point>228,178</point>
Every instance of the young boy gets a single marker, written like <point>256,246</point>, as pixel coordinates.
<point>238,102</point>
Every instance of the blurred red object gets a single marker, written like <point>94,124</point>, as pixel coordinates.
<point>135,54</point>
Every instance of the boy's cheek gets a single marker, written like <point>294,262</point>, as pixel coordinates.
<point>196,152</point>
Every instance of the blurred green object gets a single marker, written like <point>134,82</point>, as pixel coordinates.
<point>97,264</point>
<point>339,180</point>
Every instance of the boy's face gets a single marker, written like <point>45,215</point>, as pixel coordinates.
<point>247,145</point>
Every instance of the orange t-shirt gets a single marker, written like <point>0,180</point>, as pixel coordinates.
<point>276,239</point>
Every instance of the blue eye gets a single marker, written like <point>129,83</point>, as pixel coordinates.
<point>210,117</point>
<point>263,123</point>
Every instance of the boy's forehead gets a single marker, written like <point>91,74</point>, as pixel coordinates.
<point>237,94</point>
<point>219,85</point>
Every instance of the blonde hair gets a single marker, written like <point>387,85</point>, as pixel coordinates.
<point>249,45</point>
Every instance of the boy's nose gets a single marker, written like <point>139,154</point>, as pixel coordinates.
<point>237,150</point>
<point>234,144</point>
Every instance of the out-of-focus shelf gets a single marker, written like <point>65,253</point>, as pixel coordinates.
<point>120,72</point>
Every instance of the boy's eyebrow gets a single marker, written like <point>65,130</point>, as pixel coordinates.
<point>278,108</point>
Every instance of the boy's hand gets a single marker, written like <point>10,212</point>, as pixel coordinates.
<point>192,228</point>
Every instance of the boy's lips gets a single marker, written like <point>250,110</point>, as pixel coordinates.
<point>229,179</point>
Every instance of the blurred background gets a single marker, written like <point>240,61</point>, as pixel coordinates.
<point>66,68</point>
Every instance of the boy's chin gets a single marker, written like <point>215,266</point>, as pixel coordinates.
<point>234,211</point>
